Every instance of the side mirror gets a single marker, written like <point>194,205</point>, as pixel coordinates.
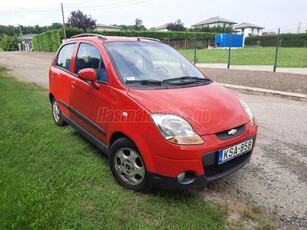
<point>89,74</point>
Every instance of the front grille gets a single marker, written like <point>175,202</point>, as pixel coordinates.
<point>215,170</point>
<point>225,136</point>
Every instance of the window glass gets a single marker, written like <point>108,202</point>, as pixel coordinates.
<point>89,57</point>
<point>149,61</point>
<point>64,57</point>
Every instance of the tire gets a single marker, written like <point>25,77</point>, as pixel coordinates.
<point>127,165</point>
<point>57,114</point>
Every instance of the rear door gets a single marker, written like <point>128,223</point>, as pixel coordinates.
<point>62,77</point>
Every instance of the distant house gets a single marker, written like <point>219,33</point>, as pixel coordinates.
<point>26,42</point>
<point>162,28</point>
<point>248,29</point>
<point>107,27</point>
<point>215,21</point>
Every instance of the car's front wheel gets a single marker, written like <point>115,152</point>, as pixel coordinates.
<point>127,165</point>
<point>57,114</point>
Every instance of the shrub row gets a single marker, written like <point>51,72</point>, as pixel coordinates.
<point>51,40</point>
<point>286,40</point>
<point>9,43</point>
<point>48,41</point>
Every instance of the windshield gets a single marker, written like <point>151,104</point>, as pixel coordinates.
<point>150,62</point>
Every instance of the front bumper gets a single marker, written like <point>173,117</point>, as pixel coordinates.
<point>213,172</point>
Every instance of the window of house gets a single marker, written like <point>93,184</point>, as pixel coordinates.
<point>89,57</point>
<point>64,56</point>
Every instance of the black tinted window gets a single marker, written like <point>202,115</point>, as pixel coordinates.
<point>89,57</point>
<point>64,57</point>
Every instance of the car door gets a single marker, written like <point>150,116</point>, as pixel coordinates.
<point>88,101</point>
<point>62,76</point>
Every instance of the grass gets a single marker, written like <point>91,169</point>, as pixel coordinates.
<point>51,178</point>
<point>288,57</point>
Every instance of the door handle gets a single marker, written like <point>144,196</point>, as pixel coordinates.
<point>55,75</point>
<point>73,84</point>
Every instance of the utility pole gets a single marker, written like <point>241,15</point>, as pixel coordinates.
<point>277,46</point>
<point>299,27</point>
<point>63,21</point>
<point>20,31</point>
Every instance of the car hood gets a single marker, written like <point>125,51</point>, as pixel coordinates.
<point>209,108</point>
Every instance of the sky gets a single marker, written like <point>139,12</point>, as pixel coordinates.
<point>271,14</point>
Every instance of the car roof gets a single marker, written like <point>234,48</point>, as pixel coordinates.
<point>95,37</point>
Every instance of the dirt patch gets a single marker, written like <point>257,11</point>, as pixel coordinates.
<point>294,83</point>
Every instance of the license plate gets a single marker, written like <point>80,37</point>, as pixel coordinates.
<point>234,151</point>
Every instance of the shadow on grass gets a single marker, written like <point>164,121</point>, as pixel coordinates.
<point>163,193</point>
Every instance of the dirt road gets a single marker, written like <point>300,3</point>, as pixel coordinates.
<point>276,178</point>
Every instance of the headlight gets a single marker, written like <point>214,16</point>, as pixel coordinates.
<point>249,111</point>
<point>176,129</point>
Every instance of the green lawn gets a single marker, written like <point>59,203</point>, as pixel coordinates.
<point>288,57</point>
<point>52,178</point>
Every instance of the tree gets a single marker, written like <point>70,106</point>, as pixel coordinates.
<point>176,26</point>
<point>9,43</point>
<point>82,21</point>
<point>138,24</point>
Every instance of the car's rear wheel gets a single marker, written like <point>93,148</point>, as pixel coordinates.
<point>57,114</point>
<point>127,165</point>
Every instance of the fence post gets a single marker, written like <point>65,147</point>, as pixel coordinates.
<point>195,46</point>
<point>276,54</point>
<point>230,44</point>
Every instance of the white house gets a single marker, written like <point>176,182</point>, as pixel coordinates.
<point>26,42</point>
<point>107,27</point>
<point>248,29</point>
<point>215,21</point>
<point>161,28</point>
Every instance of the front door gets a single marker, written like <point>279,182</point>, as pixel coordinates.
<point>88,101</point>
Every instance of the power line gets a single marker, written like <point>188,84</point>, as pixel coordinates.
<point>91,1</point>
<point>29,11</point>
<point>70,6</point>
<point>112,5</point>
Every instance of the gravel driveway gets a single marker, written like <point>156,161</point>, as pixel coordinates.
<point>275,180</point>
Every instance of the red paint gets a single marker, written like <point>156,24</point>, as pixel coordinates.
<point>208,108</point>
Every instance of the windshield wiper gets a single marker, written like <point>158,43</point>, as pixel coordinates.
<point>186,80</point>
<point>145,82</point>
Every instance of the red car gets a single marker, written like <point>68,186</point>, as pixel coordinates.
<point>160,121</point>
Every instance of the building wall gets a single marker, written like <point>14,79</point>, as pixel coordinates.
<point>107,28</point>
<point>161,30</point>
<point>219,24</point>
<point>247,31</point>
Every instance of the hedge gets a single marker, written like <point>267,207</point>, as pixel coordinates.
<point>9,43</point>
<point>51,40</point>
<point>286,40</point>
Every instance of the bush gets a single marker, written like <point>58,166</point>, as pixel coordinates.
<point>51,40</point>
<point>9,43</point>
<point>287,40</point>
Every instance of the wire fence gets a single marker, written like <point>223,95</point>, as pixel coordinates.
<point>276,54</point>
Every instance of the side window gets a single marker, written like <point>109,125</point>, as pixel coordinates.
<point>89,57</point>
<point>64,56</point>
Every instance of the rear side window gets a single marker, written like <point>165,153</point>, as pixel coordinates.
<point>64,56</point>
<point>89,57</point>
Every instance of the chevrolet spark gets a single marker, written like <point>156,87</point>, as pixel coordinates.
<point>160,121</point>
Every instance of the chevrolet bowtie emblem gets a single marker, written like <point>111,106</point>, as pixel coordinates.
<point>232,132</point>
